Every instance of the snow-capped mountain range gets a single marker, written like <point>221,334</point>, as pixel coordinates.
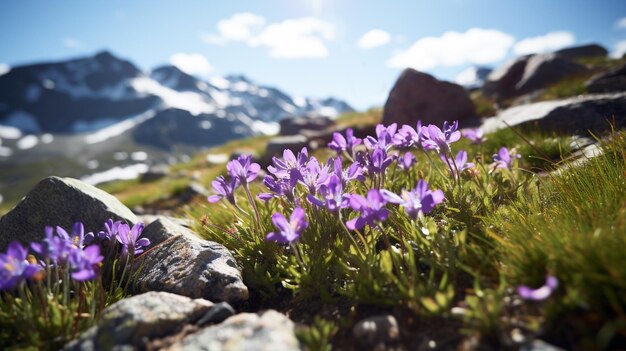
<point>104,95</point>
<point>100,118</point>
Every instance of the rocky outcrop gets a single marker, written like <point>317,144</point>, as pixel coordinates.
<point>501,82</point>
<point>608,82</point>
<point>267,331</point>
<point>527,74</point>
<point>296,125</point>
<point>179,262</point>
<point>577,115</point>
<point>542,71</point>
<point>277,145</point>
<point>578,52</point>
<point>420,96</point>
<point>164,321</point>
<point>131,323</point>
<point>60,201</point>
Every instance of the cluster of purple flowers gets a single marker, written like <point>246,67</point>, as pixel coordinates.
<point>241,171</point>
<point>325,185</point>
<point>75,252</point>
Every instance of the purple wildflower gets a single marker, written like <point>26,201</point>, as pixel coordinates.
<point>406,161</point>
<point>278,187</point>
<point>476,135</point>
<point>378,161</point>
<point>504,158</point>
<point>372,209</point>
<point>347,144</point>
<point>289,166</point>
<point>314,175</point>
<point>354,172</point>
<point>289,231</point>
<point>225,189</point>
<point>416,201</point>
<point>332,196</point>
<point>540,293</point>
<point>14,268</point>
<point>243,169</point>
<point>459,163</point>
<point>129,238</point>
<point>84,262</point>
<point>110,230</point>
<point>77,236</point>
<point>436,139</point>
<point>53,247</point>
<point>408,137</point>
<point>384,137</point>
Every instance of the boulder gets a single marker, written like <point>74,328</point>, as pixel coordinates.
<point>179,262</point>
<point>500,83</point>
<point>267,331</point>
<point>581,117</point>
<point>277,145</point>
<point>420,96</point>
<point>544,70</point>
<point>192,191</point>
<point>575,115</point>
<point>295,125</point>
<point>612,81</point>
<point>133,322</point>
<point>577,52</point>
<point>60,201</point>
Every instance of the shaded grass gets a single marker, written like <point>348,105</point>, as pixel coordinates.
<point>572,225</point>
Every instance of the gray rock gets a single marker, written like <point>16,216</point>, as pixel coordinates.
<point>571,116</point>
<point>420,96</point>
<point>277,145</point>
<point>500,83</point>
<point>185,222</point>
<point>295,125</point>
<point>131,323</point>
<point>612,81</point>
<point>377,330</point>
<point>268,331</point>
<point>60,201</point>
<point>528,74</point>
<point>179,262</point>
<point>217,314</point>
<point>544,70</point>
<point>578,52</point>
<point>191,191</point>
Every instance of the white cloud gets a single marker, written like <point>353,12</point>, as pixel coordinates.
<point>71,43</point>
<point>4,68</point>
<point>619,49</point>
<point>297,38</point>
<point>373,38</point>
<point>476,45</point>
<point>544,43</point>
<point>293,38</point>
<point>467,77</point>
<point>621,23</point>
<point>191,63</point>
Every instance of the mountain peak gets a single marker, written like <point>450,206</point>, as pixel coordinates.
<point>236,78</point>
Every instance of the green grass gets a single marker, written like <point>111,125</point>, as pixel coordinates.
<point>496,230</point>
<point>572,226</point>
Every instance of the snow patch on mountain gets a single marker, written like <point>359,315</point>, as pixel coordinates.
<point>118,128</point>
<point>192,102</point>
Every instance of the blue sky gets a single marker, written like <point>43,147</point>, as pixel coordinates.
<point>308,47</point>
